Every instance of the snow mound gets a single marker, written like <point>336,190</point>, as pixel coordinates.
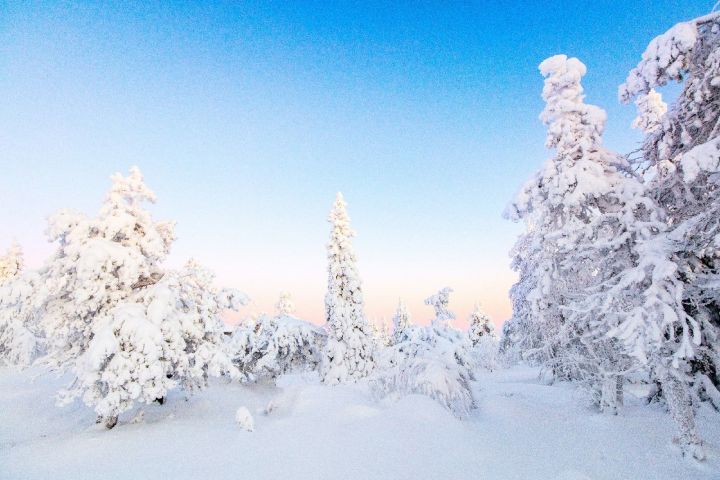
<point>245,419</point>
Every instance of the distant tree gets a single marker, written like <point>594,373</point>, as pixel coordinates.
<point>480,325</point>
<point>284,306</point>
<point>349,354</point>
<point>19,296</point>
<point>440,302</point>
<point>401,321</point>
<point>11,264</point>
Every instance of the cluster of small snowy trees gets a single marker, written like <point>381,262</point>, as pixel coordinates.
<point>618,265</point>
<point>435,360</point>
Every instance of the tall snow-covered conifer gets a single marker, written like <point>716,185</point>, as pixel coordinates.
<point>349,354</point>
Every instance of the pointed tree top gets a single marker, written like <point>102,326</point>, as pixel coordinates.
<point>131,189</point>
<point>338,214</point>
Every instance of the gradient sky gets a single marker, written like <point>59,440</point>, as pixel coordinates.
<point>247,117</point>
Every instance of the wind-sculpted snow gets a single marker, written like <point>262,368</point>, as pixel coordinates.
<point>521,429</point>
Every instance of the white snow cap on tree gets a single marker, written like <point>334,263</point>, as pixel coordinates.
<point>440,302</point>
<point>11,264</point>
<point>284,306</point>
<point>349,352</point>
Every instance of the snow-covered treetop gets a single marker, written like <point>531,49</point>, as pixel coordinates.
<point>125,220</point>
<point>440,302</point>
<point>651,108</point>
<point>11,264</point>
<point>572,125</point>
<point>341,232</point>
<point>578,172</point>
<point>284,306</point>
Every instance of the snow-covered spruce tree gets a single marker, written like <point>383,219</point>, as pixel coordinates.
<point>682,154</point>
<point>401,321</point>
<point>584,214</point>
<point>349,353</point>
<point>20,295</point>
<point>99,263</point>
<point>433,361</point>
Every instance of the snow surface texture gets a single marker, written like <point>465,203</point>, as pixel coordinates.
<point>521,430</point>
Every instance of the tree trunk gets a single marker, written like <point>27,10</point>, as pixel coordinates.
<point>110,422</point>
<point>619,395</point>
<point>681,410</point>
<point>160,400</point>
<point>609,394</point>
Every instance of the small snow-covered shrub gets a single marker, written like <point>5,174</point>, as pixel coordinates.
<point>277,345</point>
<point>432,361</point>
<point>244,419</point>
<point>20,336</point>
<point>485,353</point>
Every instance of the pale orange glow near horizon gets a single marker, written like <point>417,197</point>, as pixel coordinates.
<point>381,301</point>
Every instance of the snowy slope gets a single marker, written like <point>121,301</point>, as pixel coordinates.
<point>521,430</point>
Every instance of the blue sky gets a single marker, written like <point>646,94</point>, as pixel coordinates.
<point>247,117</point>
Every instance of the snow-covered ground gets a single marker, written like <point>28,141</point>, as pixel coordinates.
<point>521,430</point>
